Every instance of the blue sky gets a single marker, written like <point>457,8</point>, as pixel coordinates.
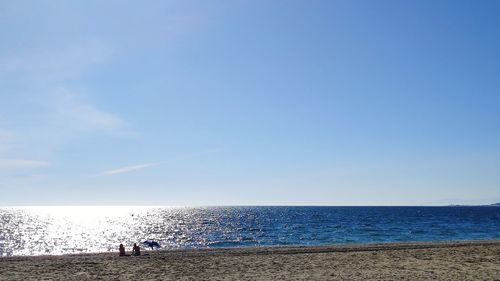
<point>249,102</point>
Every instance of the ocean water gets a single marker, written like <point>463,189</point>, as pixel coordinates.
<point>65,230</point>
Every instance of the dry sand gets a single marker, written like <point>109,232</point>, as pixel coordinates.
<point>413,261</point>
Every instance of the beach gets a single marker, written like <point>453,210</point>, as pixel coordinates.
<point>472,260</point>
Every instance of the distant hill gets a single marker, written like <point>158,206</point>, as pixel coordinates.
<point>490,205</point>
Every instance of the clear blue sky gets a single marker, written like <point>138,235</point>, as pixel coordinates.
<point>249,102</point>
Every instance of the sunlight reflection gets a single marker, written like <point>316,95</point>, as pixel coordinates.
<point>73,229</point>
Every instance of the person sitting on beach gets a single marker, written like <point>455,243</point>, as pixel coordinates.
<point>136,250</point>
<point>122,250</point>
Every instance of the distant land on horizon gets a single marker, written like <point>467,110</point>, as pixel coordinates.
<point>487,205</point>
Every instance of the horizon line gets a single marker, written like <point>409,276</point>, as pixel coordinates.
<point>249,205</point>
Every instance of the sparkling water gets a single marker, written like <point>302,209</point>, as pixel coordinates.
<point>65,230</point>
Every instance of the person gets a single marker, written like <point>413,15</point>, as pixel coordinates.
<point>136,250</point>
<point>122,250</point>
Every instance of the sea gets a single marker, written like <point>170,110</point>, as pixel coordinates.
<point>31,231</point>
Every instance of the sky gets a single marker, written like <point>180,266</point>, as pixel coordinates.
<point>249,102</point>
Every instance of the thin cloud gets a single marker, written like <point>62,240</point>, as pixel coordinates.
<point>129,169</point>
<point>60,113</point>
<point>149,165</point>
<point>68,105</point>
<point>22,164</point>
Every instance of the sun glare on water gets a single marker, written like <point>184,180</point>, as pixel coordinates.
<point>73,229</point>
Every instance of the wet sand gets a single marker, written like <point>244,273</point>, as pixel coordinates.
<point>478,260</point>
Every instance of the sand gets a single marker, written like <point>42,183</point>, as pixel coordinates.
<point>478,260</point>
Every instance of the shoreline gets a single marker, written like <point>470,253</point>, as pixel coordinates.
<point>443,260</point>
<point>292,249</point>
